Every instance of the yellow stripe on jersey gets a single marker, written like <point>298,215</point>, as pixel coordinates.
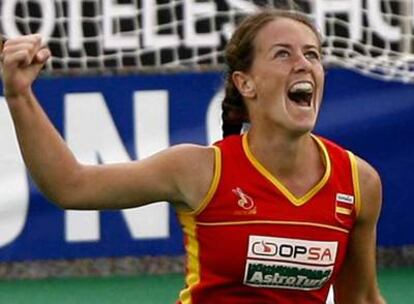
<point>342,210</point>
<point>213,185</point>
<point>270,222</point>
<point>192,252</point>
<point>355,181</point>
<point>297,201</point>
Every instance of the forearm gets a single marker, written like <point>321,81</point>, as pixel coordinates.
<point>48,159</point>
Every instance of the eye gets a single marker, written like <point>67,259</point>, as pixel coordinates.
<point>281,54</point>
<point>312,55</point>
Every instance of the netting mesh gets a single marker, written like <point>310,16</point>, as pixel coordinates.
<point>371,36</point>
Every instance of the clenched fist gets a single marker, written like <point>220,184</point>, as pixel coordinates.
<point>22,58</point>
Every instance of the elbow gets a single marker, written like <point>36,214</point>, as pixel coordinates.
<point>63,198</point>
<point>373,299</point>
<point>376,300</point>
<point>66,193</point>
<point>64,201</point>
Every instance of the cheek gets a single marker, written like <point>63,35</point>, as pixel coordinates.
<point>271,82</point>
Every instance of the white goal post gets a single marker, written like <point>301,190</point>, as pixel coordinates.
<point>373,37</point>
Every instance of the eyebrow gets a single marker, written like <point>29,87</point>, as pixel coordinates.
<point>306,46</point>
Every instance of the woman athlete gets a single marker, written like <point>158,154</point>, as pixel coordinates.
<point>274,215</point>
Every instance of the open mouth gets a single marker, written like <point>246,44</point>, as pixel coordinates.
<point>301,93</point>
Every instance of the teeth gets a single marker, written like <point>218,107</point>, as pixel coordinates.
<point>304,87</point>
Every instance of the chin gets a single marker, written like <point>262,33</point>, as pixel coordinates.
<point>303,129</point>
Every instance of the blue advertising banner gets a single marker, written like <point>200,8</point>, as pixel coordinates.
<point>110,119</point>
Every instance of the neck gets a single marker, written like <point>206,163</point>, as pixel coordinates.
<point>284,155</point>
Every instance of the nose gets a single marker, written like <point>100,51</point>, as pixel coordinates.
<point>302,64</point>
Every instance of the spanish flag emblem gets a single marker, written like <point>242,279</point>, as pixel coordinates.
<point>344,203</point>
<point>344,206</point>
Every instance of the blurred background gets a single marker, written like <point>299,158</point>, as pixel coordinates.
<point>129,78</point>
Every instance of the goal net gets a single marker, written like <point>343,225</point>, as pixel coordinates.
<point>373,37</point>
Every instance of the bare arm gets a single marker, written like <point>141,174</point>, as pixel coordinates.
<point>357,282</point>
<point>167,175</point>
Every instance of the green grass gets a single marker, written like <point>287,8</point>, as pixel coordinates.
<point>114,290</point>
<point>397,286</point>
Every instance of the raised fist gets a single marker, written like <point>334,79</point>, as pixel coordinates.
<point>22,58</point>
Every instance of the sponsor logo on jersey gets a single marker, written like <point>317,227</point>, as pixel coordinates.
<point>289,263</point>
<point>344,198</point>
<point>245,202</point>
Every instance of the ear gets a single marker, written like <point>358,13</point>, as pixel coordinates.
<point>244,84</point>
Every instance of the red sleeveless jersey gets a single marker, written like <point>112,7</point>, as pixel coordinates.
<point>252,241</point>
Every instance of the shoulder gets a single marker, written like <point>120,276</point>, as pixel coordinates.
<point>368,179</point>
<point>193,167</point>
<point>370,190</point>
<point>190,155</point>
<point>186,159</point>
<point>368,174</point>
<point>180,158</point>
